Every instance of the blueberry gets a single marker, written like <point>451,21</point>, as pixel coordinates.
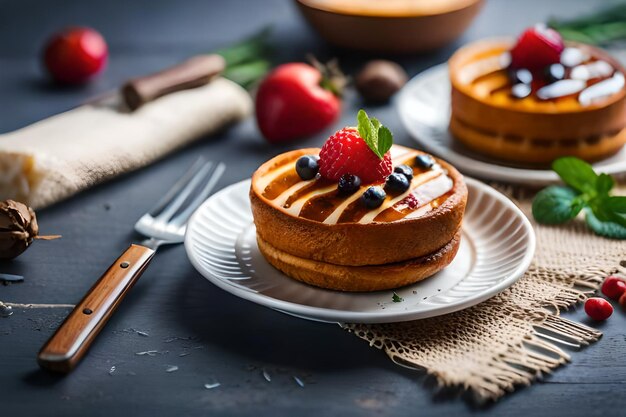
<point>397,183</point>
<point>521,90</point>
<point>373,197</point>
<point>424,161</point>
<point>405,170</point>
<point>307,167</point>
<point>554,72</point>
<point>348,184</point>
<point>522,76</point>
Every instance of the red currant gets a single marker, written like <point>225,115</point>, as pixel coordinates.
<point>598,308</point>
<point>613,287</point>
<point>622,300</point>
<point>75,55</point>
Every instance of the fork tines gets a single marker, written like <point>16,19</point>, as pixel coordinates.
<point>179,203</point>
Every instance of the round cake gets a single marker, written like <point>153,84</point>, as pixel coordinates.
<point>316,232</point>
<point>537,99</point>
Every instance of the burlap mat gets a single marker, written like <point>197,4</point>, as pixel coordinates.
<point>513,338</point>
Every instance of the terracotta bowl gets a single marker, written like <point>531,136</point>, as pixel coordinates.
<point>390,26</point>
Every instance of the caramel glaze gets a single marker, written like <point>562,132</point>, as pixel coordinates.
<point>576,83</point>
<point>315,185</point>
<point>281,184</point>
<point>429,189</point>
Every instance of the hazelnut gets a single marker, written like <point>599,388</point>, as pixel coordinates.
<point>379,80</point>
<point>18,228</point>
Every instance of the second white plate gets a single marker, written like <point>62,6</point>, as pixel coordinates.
<point>497,246</point>
<point>424,108</point>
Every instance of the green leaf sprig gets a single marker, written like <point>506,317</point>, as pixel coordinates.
<point>586,190</point>
<point>602,27</point>
<point>247,61</point>
<point>377,136</point>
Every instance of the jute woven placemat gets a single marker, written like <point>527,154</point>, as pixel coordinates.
<point>513,338</point>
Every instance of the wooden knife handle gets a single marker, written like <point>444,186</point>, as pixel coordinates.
<point>72,339</point>
<point>194,72</point>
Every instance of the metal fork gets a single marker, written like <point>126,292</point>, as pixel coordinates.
<point>164,224</point>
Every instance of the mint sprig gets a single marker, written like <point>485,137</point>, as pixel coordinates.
<point>377,136</point>
<point>248,61</point>
<point>606,229</point>
<point>604,27</point>
<point>555,205</point>
<point>585,189</point>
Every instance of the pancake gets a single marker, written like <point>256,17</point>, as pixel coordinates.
<point>583,115</point>
<point>314,234</point>
<point>310,220</point>
<point>360,278</point>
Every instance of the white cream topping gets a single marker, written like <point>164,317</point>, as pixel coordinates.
<point>601,90</point>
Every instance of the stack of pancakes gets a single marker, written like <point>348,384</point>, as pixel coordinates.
<point>343,246</point>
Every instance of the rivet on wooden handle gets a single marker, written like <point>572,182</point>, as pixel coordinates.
<point>72,339</point>
<point>194,72</point>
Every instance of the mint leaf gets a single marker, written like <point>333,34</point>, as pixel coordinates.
<point>602,212</point>
<point>616,204</point>
<point>385,140</point>
<point>617,218</point>
<point>368,131</point>
<point>377,137</point>
<point>604,183</point>
<point>396,298</point>
<point>606,229</point>
<point>576,173</point>
<point>556,204</point>
<point>375,123</point>
<point>365,127</point>
<point>605,214</point>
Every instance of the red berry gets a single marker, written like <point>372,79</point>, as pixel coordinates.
<point>411,201</point>
<point>598,308</point>
<point>75,55</point>
<point>537,48</point>
<point>346,152</point>
<point>613,287</point>
<point>291,103</point>
<point>622,300</point>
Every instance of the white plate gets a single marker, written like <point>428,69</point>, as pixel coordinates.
<point>497,246</point>
<point>424,107</point>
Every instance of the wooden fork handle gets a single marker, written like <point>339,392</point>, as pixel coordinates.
<point>72,339</point>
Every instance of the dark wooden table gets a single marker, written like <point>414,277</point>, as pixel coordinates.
<point>210,335</point>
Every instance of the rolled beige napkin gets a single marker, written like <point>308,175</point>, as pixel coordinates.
<point>57,157</point>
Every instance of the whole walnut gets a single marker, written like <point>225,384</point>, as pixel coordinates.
<point>18,228</point>
<point>379,80</point>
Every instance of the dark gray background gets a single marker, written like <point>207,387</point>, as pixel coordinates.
<point>232,339</point>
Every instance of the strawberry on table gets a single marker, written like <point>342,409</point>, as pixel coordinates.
<point>296,100</point>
